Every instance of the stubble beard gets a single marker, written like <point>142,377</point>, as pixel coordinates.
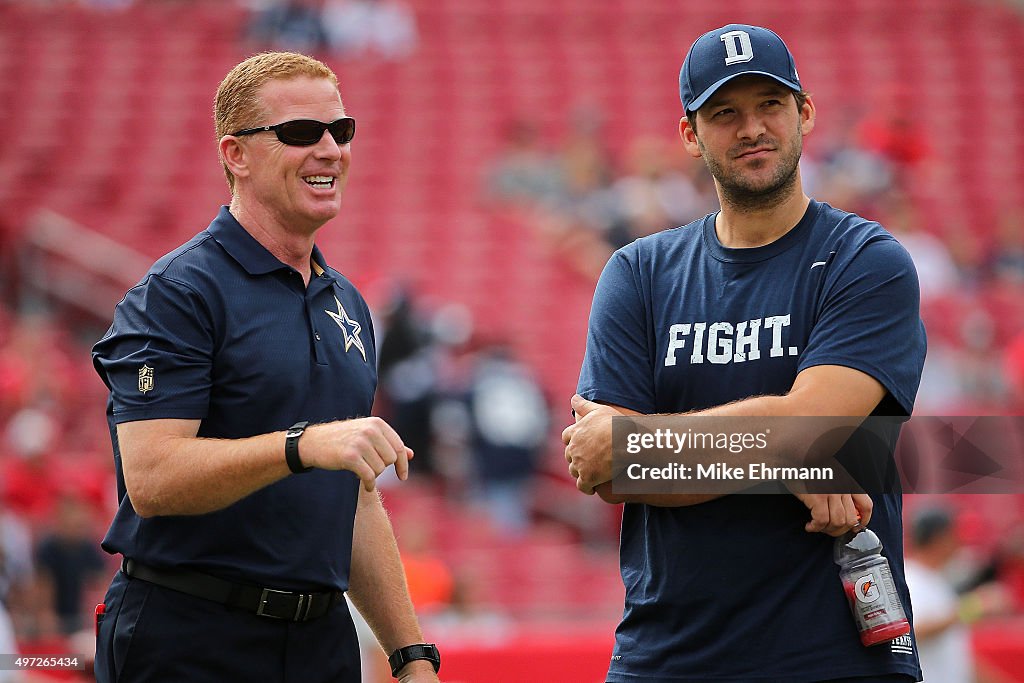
<point>747,197</point>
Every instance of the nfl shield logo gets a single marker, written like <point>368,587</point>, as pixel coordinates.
<point>145,379</point>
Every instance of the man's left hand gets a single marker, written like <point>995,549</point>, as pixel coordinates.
<point>588,444</point>
<point>836,513</point>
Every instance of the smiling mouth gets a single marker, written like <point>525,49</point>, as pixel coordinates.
<point>319,182</point>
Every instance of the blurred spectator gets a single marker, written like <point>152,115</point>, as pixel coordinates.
<point>16,577</point>
<point>1008,264</point>
<point>936,270</point>
<point>509,418</point>
<point>965,370</point>
<point>69,561</point>
<point>429,577</point>
<point>656,194</point>
<point>566,198</point>
<point>941,392</point>
<point>469,618</point>
<point>525,172</point>
<point>408,379</point>
<point>972,258</point>
<point>890,133</point>
<point>849,175</point>
<point>385,28</point>
<point>289,25</point>
<point>979,367</point>
<point>588,173</point>
<point>1008,566</point>
<point>33,372</point>
<point>31,476</point>
<point>8,645</point>
<point>941,616</point>
<point>16,567</point>
<point>897,138</point>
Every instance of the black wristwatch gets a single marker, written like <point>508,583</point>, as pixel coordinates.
<point>291,448</point>
<point>410,653</point>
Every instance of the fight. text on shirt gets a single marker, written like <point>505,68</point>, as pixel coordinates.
<point>726,342</point>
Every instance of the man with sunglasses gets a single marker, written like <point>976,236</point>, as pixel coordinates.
<point>241,372</point>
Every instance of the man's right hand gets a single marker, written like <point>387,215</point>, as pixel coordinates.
<point>836,513</point>
<point>364,446</point>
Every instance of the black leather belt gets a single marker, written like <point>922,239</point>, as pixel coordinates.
<point>264,602</point>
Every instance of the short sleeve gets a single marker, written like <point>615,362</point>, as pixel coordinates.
<point>869,319</point>
<point>156,358</point>
<point>617,365</point>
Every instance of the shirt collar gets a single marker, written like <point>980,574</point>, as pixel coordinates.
<point>763,253</point>
<point>249,253</point>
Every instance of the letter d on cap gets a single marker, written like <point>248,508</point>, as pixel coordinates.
<point>737,47</point>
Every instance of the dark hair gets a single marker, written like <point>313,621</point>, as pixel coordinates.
<point>929,524</point>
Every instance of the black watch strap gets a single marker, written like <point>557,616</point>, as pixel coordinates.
<point>291,448</point>
<point>410,653</point>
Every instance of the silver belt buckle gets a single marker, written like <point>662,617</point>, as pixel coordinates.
<point>302,608</point>
<point>261,610</point>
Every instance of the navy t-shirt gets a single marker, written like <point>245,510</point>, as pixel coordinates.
<point>734,589</point>
<point>221,331</point>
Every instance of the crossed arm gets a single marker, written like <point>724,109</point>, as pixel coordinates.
<point>825,390</point>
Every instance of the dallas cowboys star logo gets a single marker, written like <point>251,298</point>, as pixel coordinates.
<point>349,328</point>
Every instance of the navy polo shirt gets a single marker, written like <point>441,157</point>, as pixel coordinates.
<point>221,331</point>
<point>734,589</point>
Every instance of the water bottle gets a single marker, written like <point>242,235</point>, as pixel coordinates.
<point>869,587</point>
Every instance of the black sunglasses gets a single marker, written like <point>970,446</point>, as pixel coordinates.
<point>306,132</point>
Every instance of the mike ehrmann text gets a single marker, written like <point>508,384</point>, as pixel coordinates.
<point>719,471</point>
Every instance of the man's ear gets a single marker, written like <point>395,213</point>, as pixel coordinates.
<point>807,116</point>
<point>689,137</point>
<point>232,153</point>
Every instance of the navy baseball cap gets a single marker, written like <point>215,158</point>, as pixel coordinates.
<point>721,55</point>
